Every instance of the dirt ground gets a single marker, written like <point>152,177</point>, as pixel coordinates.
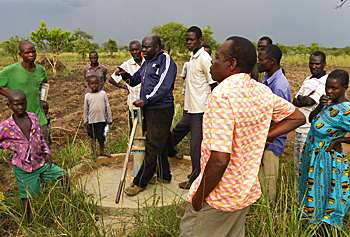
<point>66,101</point>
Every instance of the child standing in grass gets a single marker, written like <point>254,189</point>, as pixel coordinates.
<point>21,133</point>
<point>45,106</point>
<point>97,114</point>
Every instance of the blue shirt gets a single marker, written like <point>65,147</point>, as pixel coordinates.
<point>279,85</point>
<point>157,78</point>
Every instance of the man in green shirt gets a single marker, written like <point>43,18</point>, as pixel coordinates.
<point>26,76</point>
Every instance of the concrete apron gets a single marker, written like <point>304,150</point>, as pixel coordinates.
<point>101,180</point>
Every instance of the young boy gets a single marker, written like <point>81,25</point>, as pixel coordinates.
<point>45,106</point>
<point>97,114</point>
<point>21,134</point>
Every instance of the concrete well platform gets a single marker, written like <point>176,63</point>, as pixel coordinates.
<point>101,180</point>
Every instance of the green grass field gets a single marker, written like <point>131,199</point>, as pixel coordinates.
<point>58,213</point>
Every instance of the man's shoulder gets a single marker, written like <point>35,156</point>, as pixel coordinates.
<point>87,67</point>
<point>12,67</point>
<point>164,56</point>
<point>281,81</point>
<point>39,67</point>
<point>204,56</point>
<point>103,67</point>
<point>129,61</point>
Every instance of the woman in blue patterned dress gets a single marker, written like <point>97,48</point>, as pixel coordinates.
<point>324,169</point>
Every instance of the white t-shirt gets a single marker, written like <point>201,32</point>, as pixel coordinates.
<point>309,85</point>
<point>131,67</point>
<point>198,80</point>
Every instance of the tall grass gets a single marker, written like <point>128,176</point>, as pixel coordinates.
<point>343,60</point>
<point>61,213</point>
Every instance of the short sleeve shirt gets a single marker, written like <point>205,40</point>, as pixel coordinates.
<point>237,121</point>
<point>198,80</point>
<point>16,77</point>
<point>100,72</point>
<point>316,87</point>
<point>131,67</point>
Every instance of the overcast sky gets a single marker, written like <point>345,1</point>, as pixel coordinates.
<point>286,22</point>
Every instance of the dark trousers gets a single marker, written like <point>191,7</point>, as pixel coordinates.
<point>130,121</point>
<point>189,123</point>
<point>158,122</point>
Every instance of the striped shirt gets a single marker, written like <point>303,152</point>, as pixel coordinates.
<point>237,121</point>
<point>316,87</point>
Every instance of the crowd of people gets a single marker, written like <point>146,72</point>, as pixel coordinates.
<point>238,108</point>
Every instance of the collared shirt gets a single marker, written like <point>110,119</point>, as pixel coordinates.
<point>28,155</point>
<point>237,121</point>
<point>131,67</point>
<point>198,80</point>
<point>314,85</point>
<point>279,85</point>
<point>100,72</point>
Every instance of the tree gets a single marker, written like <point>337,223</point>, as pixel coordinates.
<point>82,47</point>
<point>207,38</point>
<point>173,36</point>
<point>11,46</point>
<point>300,49</point>
<point>315,47</point>
<point>124,48</point>
<point>95,46</point>
<point>51,41</point>
<point>284,48</point>
<point>342,3</point>
<point>79,34</point>
<point>110,46</point>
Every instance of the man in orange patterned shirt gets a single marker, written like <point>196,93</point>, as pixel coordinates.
<point>236,124</point>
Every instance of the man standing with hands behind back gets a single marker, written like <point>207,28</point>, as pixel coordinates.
<point>157,77</point>
<point>198,87</point>
<point>306,99</point>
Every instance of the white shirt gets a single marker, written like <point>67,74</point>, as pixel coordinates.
<point>309,85</point>
<point>198,82</point>
<point>131,67</point>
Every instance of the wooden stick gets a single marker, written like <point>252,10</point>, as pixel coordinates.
<point>122,179</point>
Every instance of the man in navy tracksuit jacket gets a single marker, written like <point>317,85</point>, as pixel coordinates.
<point>157,77</point>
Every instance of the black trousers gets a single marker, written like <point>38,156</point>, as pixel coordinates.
<point>189,123</point>
<point>158,122</point>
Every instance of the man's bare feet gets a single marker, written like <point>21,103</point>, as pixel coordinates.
<point>105,154</point>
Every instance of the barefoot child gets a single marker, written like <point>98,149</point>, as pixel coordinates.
<point>21,134</point>
<point>97,114</point>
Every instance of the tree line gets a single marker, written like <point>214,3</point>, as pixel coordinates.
<point>51,42</point>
